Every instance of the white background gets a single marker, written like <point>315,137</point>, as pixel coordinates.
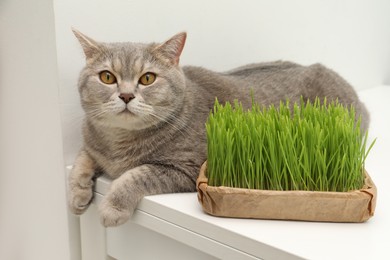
<point>40,60</point>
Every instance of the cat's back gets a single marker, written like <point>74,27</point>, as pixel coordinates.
<point>252,75</point>
<point>270,81</point>
<point>262,68</point>
<point>201,74</point>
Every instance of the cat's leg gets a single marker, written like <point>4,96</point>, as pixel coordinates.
<point>126,191</point>
<point>80,183</point>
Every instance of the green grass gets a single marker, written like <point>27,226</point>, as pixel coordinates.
<point>316,147</point>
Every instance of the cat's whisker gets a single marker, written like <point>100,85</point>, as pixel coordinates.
<point>170,121</point>
<point>96,111</point>
<point>96,114</point>
<point>180,122</point>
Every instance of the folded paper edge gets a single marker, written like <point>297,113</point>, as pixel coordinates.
<point>205,197</point>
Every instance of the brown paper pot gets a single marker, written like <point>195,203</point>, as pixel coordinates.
<point>352,206</point>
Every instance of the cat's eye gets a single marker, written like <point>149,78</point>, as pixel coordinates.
<point>147,79</point>
<point>107,77</point>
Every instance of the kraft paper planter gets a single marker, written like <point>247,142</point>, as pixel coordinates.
<point>352,206</point>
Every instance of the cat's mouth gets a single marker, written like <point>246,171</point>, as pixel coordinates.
<point>126,112</point>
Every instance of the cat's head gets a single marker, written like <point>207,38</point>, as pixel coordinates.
<point>131,85</point>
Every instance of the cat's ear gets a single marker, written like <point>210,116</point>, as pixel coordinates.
<point>172,48</point>
<point>91,47</point>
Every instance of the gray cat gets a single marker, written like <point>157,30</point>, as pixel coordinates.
<point>145,116</point>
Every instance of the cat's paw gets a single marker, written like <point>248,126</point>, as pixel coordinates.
<point>79,199</point>
<point>111,215</point>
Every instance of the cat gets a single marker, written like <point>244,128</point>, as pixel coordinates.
<point>145,116</point>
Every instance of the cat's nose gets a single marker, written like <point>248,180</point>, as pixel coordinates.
<point>126,97</point>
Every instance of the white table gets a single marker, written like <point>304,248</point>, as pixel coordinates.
<point>173,226</point>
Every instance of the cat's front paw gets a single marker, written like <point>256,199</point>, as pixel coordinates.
<point>111,215</point>
<point>79,199</point>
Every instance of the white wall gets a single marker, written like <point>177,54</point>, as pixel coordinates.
<point>33,216</point>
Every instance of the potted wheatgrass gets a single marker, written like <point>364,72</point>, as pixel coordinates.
<point>296,161</point>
